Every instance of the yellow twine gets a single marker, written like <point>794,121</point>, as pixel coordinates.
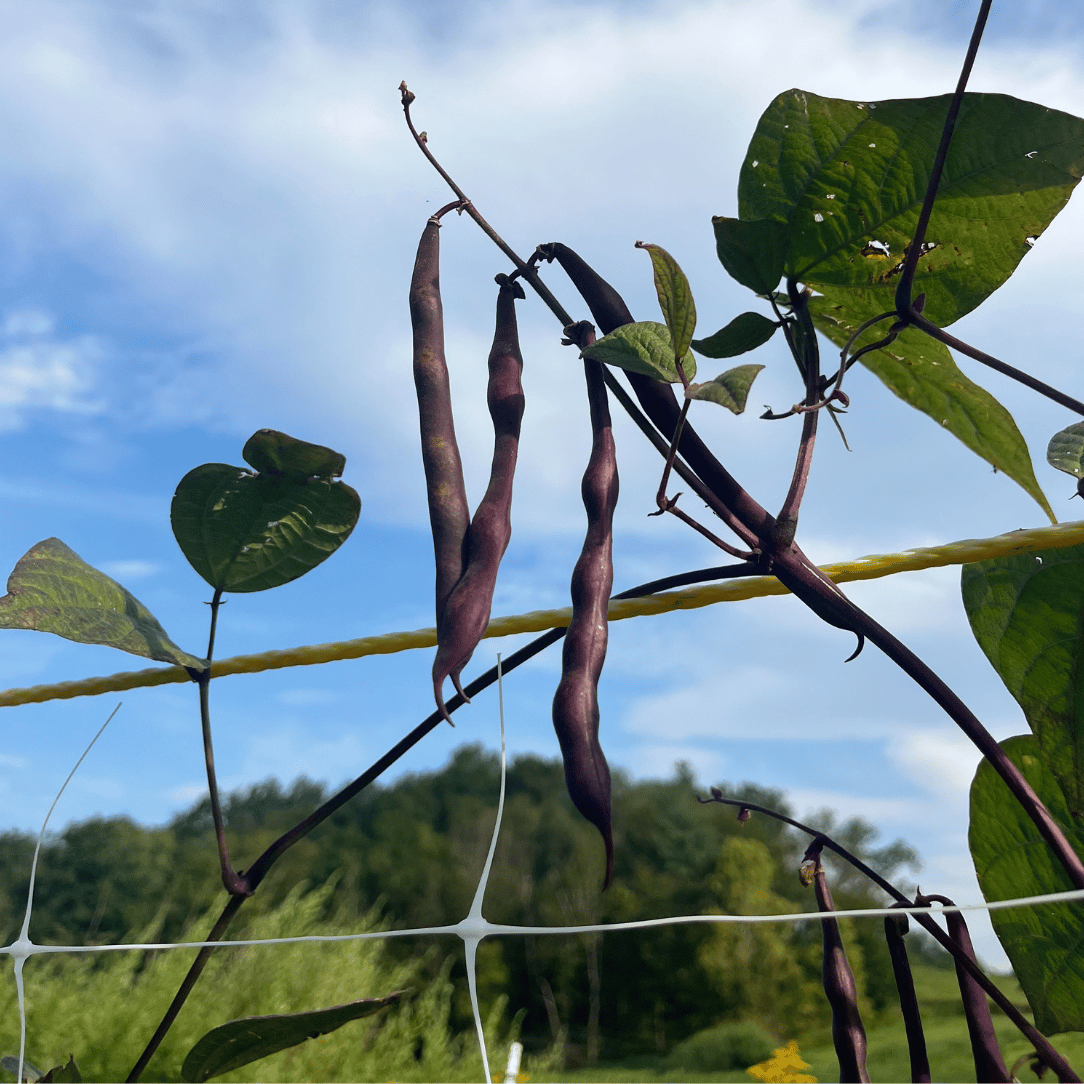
<point>687,598</point>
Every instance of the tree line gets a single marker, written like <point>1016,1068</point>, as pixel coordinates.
<point>414,850</point>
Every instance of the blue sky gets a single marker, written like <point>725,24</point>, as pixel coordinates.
<point>207,225</point>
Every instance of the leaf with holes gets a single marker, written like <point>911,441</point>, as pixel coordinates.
<point>675,297</point>
<point>1044,943</point>
<point>52,589</point>
<point>729,389</point>
<point>1025,611</point>
<point>752,253</point>
<point>1065,451</point>
<point>848,180</point>
<point>250,532</point>
<point>921,371</point>
<point>241,1042</point>
<point>744,333</point>
<point>644,347</point>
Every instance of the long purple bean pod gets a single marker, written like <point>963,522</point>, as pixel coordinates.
<point>989,1064</point>
<point>449,515</point>
<point>463,621</point>
<point>575,704</point>
<point>848,1034</point>
<point>895,927</point>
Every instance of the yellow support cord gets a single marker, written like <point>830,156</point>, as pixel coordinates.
<point>687,598</point>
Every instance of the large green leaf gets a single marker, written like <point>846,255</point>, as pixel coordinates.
<point>644,347</point>
<point>240,1042</point>
<point>921,371</point>
<point>1027,613</point>
<point>1045,943</point>
<point>52,589</point>
<point>849,179</point>
<point>250,532</point>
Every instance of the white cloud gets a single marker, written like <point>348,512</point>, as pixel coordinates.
<point>134,569</point>
<point>41,372</point>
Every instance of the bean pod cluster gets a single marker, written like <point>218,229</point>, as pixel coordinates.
<point>463,620</point>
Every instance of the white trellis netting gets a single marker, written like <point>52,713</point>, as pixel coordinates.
<point>472,929</point>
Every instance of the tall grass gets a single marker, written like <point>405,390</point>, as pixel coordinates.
<point>103,1008</point>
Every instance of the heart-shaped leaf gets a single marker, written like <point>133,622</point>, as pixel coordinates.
<point>240,1042</point>
<point>250,532</point>
<point>744,333</point>
<point>52,589</point>
<point>644,347</point>
<point>848,179</point>
<point>1045,944</point>
<point>675,297</point>
<point>729,389</point>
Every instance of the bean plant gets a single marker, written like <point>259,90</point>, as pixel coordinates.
<point>864,229</point>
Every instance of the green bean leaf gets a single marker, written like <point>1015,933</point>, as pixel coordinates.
<point>1045,943</point>
<point>675,297</point>
<point>1025,611</point>
<point>1066,450</point>
<point>922,372</point>
<point>744,333</point>
<point>10,1064</point>
<point>729,389</point>
<point>752,253</point>
<point>250,532</point>
<point>52,589</point>
<point>848,180</point>
<point>241,1042</point>
<point>644,347</point>
<point>275,453</point>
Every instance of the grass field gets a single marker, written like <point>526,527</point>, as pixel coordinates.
<point>946,1041</point>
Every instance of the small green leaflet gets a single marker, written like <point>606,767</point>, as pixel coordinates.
<point>644,347</point>
<point>675,298</point>
<point>274,453</point>
<point>52,589</point>
<point>240,1042</point>
<point>729,389</point>
<point>1044,943</point>
<point>250,532</point>
<point>1065,451</point>
<point>753,253</point>
<point>744,333</point>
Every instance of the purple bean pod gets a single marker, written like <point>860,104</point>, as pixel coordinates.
<point>575,704</point>
<point>449,515</point>
<point>463,621</point>
<point>989,1064</point>
<point>895,927</point>
<point>848,1034</point>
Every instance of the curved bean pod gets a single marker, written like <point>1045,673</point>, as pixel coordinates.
<point>989,1064</point>
<point>449,515</point>
<point>848,1034</point>
<point>575,704</point>
<point>463,621</point>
